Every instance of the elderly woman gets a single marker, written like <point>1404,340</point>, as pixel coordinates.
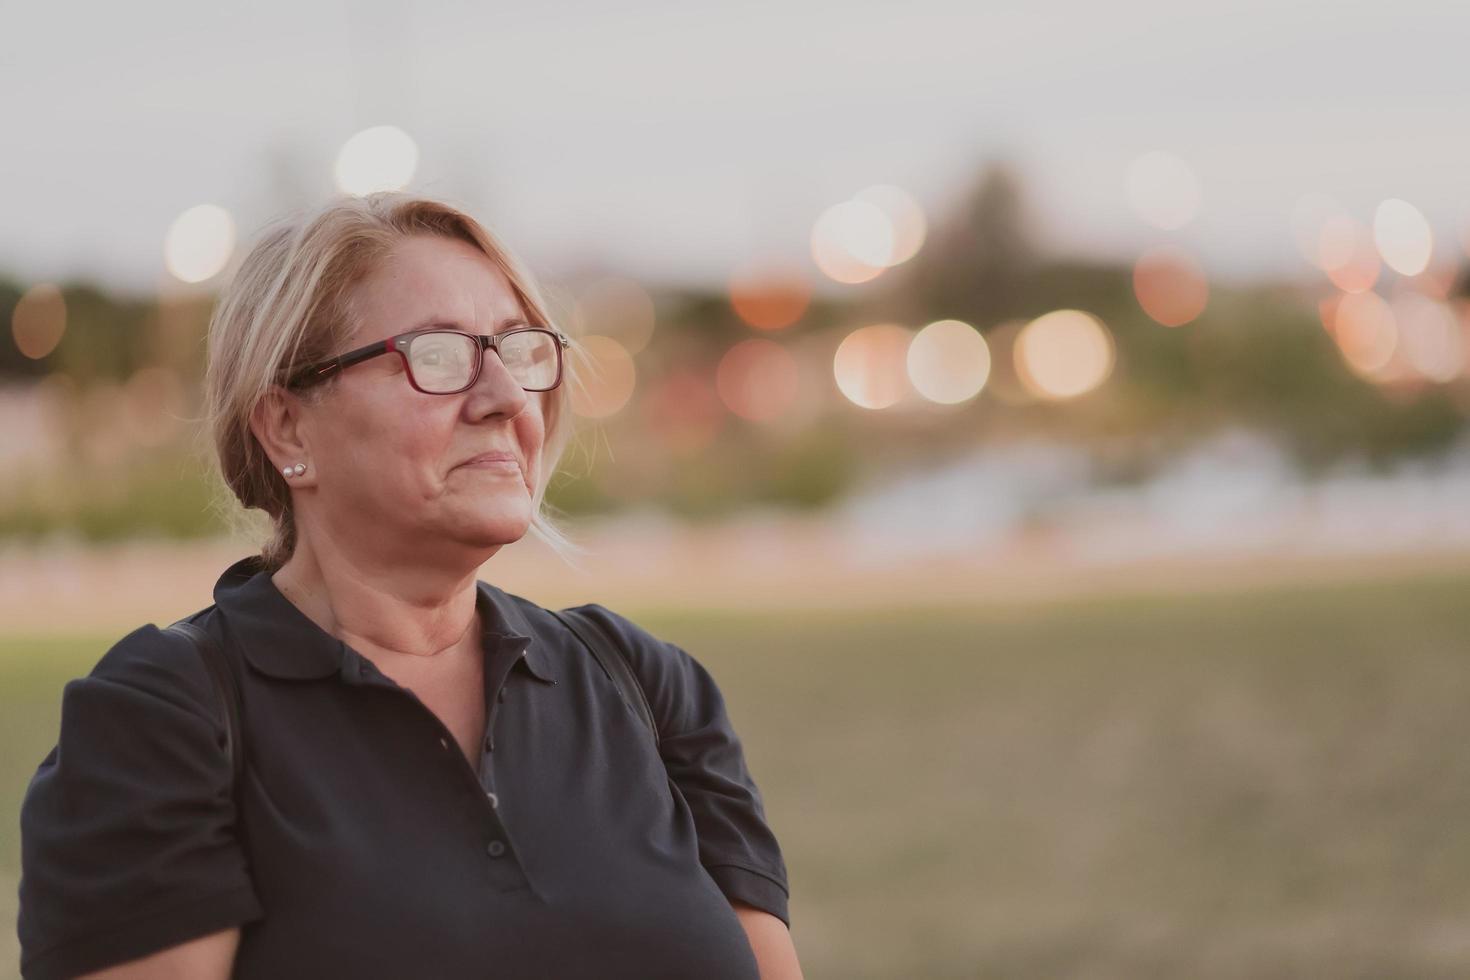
<point>440,780</point>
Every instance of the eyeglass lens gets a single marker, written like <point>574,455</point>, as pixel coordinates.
<point>445,362</point>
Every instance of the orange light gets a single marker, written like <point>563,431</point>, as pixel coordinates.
<point>1365,333</point>
<point>684,411</point>
<point>1347,254</point>
<point>1429,336</point>
<point>38,320</point>
<point>757,379</point>
<point>604,374</point>
<point>1170,285</point>
<point>769,298</point>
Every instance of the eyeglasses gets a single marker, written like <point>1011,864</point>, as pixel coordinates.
<point>440,361</point>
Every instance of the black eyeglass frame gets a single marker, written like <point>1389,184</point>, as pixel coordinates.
<point>314,374</point>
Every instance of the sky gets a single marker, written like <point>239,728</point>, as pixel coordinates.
<point>675,141</point>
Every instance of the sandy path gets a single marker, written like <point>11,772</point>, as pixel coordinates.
<point>761,563</point>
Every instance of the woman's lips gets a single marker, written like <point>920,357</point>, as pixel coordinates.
<point>493,458</point>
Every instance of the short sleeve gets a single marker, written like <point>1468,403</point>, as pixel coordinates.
<point>128,843</point>
<point>705,759</point>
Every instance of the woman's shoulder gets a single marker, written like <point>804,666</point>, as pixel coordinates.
<point>148,706</point>
<point>156,663</point>
<point>129,817</point>
<point>641,645</point>
<point>679,686</point>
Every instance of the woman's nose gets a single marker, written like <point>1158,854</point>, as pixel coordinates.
<point>496,386</point>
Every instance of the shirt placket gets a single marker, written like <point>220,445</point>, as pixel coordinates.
<point>503,866</point>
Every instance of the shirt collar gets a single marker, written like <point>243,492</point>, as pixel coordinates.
<point>281,641</point>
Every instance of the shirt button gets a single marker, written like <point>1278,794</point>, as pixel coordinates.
<point>443,742</point>
<point>495,849</point>
<point>502,694</point>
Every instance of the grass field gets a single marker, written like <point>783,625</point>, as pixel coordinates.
<point>1253,784</point>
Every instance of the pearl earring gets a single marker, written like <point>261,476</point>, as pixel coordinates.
<point>296,470</point>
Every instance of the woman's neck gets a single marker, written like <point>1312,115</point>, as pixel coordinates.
<point>394,612</point>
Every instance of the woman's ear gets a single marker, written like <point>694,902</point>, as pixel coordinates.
<point>279,424</point>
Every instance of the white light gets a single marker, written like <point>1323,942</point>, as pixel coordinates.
<point>860,229</point>
<point>869,366</point>
<point>948,362</point>
<point>1402,236</point>
<point>199,243</point>
<point>382,158</point>
<point>1063,354</point>
<point>905,219</point>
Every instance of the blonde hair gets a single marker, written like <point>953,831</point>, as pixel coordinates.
<point>290,304</point>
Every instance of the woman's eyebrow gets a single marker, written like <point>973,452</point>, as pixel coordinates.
<point>440,323</point>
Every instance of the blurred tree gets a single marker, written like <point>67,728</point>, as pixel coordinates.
<point>979,264</point>
<point>1257,358</point>
<point>105,336</point>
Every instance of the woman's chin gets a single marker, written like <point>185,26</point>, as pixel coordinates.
<point>502,527</point>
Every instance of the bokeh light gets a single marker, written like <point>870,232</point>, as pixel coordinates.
<point>1345,249</point>
<point>616,307</point>
<point>199,243</point>
<point>1429,336</point>
<point>1170,285</point>
<point>1437,279</point>
<point>905,218</point>
<point>1308,216</point>
<point>948,362</point>
<point>1163,190</point>
<point>870,366</point>
<point>684,412</point>
<point>606,376</point>
<point>38,320</point>
<point>1064,354</point>
<point>1364,328</point>
<point>382,158</point>
<point>1327,312</point>
<point>757,379</point>
<point>1403,237</point>
<point>852,242</point>
<point>769,296</point>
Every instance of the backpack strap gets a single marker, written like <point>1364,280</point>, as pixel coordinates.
<point>224,685</point>
<point>613,659</point>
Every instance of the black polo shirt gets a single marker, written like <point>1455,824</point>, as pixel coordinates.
<point>363,843</point>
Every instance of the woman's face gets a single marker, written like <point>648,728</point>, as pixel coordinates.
<point>388,461</point>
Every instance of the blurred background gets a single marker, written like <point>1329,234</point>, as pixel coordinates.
<point>1049,424</point>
